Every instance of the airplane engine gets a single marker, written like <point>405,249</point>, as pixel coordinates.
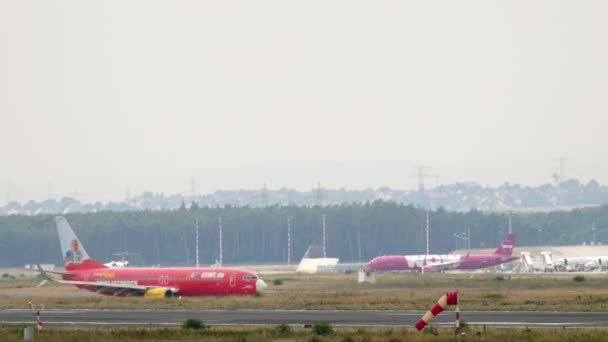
<point>160,292</point>
<point>593,264</point>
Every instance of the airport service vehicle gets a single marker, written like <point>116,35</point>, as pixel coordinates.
<point>436,263</point>
<point>86,273</point>
<point>117,264</point>
<point>581,263</point>
<point>123,260</point>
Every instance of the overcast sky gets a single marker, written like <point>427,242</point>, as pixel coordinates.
<point>100,96</point>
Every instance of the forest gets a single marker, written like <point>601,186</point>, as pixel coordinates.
<point>355,232</point>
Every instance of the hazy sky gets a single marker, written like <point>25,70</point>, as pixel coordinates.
<point>101,96</point>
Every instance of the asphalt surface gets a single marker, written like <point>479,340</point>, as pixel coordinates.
<point>85,317</point>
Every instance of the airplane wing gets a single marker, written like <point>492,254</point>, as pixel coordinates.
<point>118,287</point>
<point>69,274</point>
<point>440,266</point>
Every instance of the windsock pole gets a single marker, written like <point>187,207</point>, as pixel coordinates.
<point>450,298</point>
<point>457,331</point>
<point>38,322</point>
<point>37,313</point>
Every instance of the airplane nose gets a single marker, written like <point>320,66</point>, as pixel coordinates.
<point>260,285</point>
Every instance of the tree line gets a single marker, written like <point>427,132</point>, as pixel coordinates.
<point>355,232</point>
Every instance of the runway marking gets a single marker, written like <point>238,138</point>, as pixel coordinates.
<point>381,312</point>
<point>521,324</point>
<point>94,323</point>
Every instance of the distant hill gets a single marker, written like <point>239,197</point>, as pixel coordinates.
<point>454,197</point>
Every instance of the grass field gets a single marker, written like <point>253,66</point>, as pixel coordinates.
<point>280,334</point>
<point>479,291</point>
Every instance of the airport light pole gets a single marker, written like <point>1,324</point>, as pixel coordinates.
<point>458,238</point>
<point>324,238</point>
<point>288,240</point>
<point>465,237</point>
<point>221,242</point>
<point>197,264</point>
<point>427,232</point>
<point>540,236</point>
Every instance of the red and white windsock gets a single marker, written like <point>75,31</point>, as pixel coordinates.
<point>450,298</point>
<point>37,313</point>
<point>38,322</point>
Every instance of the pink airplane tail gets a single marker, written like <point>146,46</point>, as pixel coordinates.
<point>506,247</point>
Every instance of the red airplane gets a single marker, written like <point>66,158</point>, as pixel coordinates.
<point>88,274</point>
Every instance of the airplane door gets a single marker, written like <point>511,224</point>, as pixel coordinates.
<point>232,279</point>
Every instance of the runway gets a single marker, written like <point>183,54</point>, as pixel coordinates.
<point>148,318</point>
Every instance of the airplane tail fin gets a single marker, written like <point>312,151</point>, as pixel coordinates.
<point>75,257</point>
<point>506,247</point>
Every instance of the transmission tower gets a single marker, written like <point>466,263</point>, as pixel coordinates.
<point>50,186</point>
<point>319,195</point>
<point>264,196</point>
<point>193,188</point>
<point>562,168</point>
<point>422,176</point>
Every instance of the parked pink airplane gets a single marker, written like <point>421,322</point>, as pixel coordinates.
<point>435,263</point>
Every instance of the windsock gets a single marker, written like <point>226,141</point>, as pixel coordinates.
<point>37,313</point>
<point>38,322</point>
<point>450,298</point>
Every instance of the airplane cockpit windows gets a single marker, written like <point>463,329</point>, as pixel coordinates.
<point>250,277</point>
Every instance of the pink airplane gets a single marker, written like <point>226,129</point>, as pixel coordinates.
<point>435,263</point>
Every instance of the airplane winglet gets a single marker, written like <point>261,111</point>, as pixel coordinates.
<point>43,274</point>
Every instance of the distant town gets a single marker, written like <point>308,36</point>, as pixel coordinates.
<point>454,197</point>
